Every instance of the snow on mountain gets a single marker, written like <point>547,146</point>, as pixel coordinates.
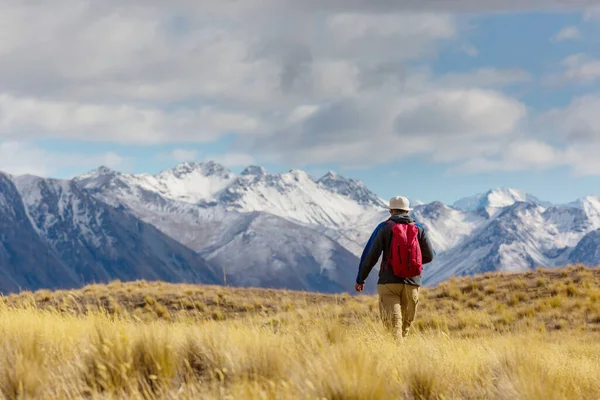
<point>295,196</point>
<point>587,250</point>
<point>285,251</point>
<point>590,205</point>
<point>519,237</point>
<point>193,182</point>
<point>327,206</point>
<point>254,171</point>
<point>502,229</point>
<point>496,199</point>
<point>260,249</point>
<point>100,243</point>
<point>188,182</point>
<point>290,230</point>
<point>351,188</point>
<point>446,226</point>
<point>25,259</point>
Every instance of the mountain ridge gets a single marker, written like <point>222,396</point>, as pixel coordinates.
<point>455,230</point>
<point>79,239</point>
<point>291,230</point>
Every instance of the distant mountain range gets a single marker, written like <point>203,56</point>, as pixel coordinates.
<point>199,222</point>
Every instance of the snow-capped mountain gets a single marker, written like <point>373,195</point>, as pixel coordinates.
<point>519,237</point>
<point>231,228</point>
<point>261,249</point>
<point>590,205</point>
<point>351,188</point>
<point>79,239</point>
<point>293,195</point>
<point>25,260</point>
<point>587,250</point>
<point>275,230</point>
<point>188,182</point>
<point>494,200</point>
<point>447,226</point>
<point>297,196</point>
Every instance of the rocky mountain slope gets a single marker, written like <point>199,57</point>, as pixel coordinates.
<point>286,230</point>
<point>55,234</point>
<point>517,237</point>
<point>271,230</point>
<point>25,259</point>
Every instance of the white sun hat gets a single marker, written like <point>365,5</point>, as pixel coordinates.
<point>400,203</point>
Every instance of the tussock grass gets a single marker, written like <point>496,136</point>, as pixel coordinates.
<point>516,342</point>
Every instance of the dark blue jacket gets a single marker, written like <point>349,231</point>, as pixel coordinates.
<point>380,242</point>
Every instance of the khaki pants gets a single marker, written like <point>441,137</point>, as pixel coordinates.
<point>398,305</point>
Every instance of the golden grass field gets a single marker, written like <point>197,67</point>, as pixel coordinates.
<point>519,336</point>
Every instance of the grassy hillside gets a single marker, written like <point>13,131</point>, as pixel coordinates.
<point>524,336</point>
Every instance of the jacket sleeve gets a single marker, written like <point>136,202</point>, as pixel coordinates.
<point>427,251</point>
<point>371,253</point>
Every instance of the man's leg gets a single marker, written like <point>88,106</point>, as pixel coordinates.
<point>390,308</point>
<point>410,302</point>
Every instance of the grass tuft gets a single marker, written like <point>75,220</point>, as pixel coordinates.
<point>525,336</point>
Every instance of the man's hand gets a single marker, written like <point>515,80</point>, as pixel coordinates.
<point>359,287</point>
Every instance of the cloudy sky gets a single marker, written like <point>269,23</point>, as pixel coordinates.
<point>433,99</point>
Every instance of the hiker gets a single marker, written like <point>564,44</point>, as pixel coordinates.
<point>405,248</point>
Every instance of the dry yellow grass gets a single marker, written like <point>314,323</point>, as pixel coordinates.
<point>527,336</point>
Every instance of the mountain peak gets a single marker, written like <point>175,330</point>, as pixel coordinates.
<point>496,198</point>
<point>351,188</point>
<point>331,175</point>
<point>585,200</point>
<point>254,170</point>
<point>100,171</point>
<point>589,204</point>
<point>299,174</point>
<point>206,168</point>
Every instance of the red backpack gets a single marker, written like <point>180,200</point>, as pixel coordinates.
<point>405,253</point>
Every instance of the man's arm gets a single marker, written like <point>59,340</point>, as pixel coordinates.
<point>371,254</point>
<point>427,251</point>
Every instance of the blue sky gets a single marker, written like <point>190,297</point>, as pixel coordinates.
<point>435,103</point>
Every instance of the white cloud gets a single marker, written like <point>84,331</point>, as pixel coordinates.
<point>567,33</point>
<point>368,130</point>
<point>579,122</point>
<point>458,113</point>
<point>293,87</point>
<point>32,118</point>
<point>584,159</point>
<point>578,69</point>
<point>567,137</point>
<point>584,72</point>
<point>486,77</point>
<point>17,157</point>
<point>351,27</point>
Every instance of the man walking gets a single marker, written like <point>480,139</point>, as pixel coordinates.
<point>406,248</point>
